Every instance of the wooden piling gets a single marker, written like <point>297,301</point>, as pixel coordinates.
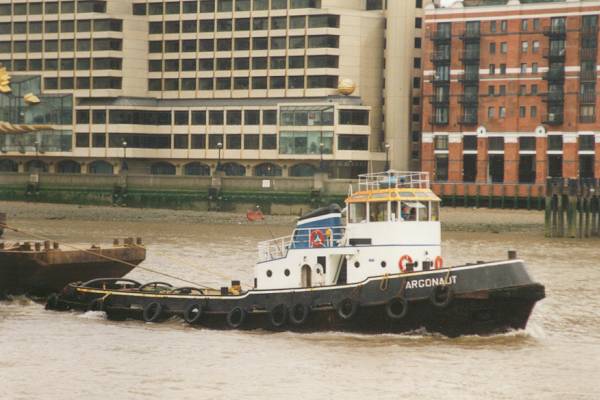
<point>576,202</point>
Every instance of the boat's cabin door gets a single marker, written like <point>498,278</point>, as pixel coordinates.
<point>306,275</point>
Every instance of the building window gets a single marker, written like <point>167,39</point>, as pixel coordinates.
<point>306,142</point>
<point>534,89</point>
<point>198,142</point>
<point>502,112</point>
<point>353,142</point>
<point>502,90</point>
<point>441,142</point>
<point>493,48</point>
<point>269,142</point>
<point>491,90</point>
<point>251,142</point>
<point>522,90</point>
<point>234,117</point>
<point>441,167</point>
<point>522,111</point>
<point>524,47</point>
<point>233,142</point>
<point>503,26</point>
<point>490,112</point>
<point>493,26</point>
<point>523,68</point>
<point>503,47</point>
<point>524,25</point>
<point>502,69</point>
<point>180,141</point>
<point>555,142</point>
<point>535,46</point>
<point>533,111</point>
<point>492,69</point>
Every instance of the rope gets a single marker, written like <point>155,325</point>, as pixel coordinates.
<point>16,230</point>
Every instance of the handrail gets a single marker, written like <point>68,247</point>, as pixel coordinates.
<point>301,238</point>
<point>393,180</point>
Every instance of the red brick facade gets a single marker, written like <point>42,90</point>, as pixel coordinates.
<point>510,94</point>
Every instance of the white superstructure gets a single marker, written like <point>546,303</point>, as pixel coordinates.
<point>390,225</point>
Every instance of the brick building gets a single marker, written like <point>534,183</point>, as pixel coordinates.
<point>510,93</point>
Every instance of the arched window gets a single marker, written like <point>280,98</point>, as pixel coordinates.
<point>34,165</point>
<point>8,166</point>
<point>196,169</point>
<point>100,167</point>
<point>233,169</point>
<point>302,170</point>
<point>68,167</point>
<point>162,168</point>
<point>267,169</point>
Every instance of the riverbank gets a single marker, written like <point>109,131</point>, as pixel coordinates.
<point>453,219</point>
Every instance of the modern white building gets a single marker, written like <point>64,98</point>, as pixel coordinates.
<point>259,87</point>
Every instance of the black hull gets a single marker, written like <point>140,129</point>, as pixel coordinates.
<point>40,273</point>
<point>485,299</point>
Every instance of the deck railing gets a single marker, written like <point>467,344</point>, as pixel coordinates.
<point>302,238</point>
<point>393,180</point>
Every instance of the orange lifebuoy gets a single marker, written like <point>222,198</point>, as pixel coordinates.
<point>439,262</point>
<point>401,265</point>
<point>317,238</point>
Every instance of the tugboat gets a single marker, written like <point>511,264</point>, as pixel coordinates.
<point>374,267</point>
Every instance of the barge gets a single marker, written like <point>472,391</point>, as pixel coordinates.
<point>374,267</point>
<point>42,268</point>
<point>2,223</point>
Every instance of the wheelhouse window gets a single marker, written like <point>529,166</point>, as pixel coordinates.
<point>358,213</point>
<point>378,211</point>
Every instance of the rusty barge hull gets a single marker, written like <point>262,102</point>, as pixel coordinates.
<point>44,271</point>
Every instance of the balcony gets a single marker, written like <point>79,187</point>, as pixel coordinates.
<point>469,57</point>
<point>440,80</point>
<point>468,120</point>
<point>553,119</point>
<point>589,31</point>
<point>587,119</point>
<point>554,97</point>
<point>439,100</point>
<point>555,55</point>
<point>555,75</point>
<point>469,99</point>
<point>469,78</point>
<point>589,54</point>
<point>587,98</point>
<point>471,35</point>
<point>556,31</point>
<point>588,76</point>
<point>440,36</point>
<point>440,57</point>
<point>437,121</point>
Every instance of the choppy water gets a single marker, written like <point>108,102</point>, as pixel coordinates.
<point>49,355</point>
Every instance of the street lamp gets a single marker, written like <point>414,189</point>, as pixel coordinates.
<point>321,164</point>
<point>387,157</point>
<point>124,166</point>
<point>220,147</point>
<point>36,145</point>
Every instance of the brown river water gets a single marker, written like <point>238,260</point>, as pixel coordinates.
<point>50,355</point>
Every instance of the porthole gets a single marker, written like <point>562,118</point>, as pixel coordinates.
<point>383,264</point>
<point>269,273</point>
<point>287,272</point>
<point>357,264</point>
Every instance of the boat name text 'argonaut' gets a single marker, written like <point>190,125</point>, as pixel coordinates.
<point>430,282</point>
